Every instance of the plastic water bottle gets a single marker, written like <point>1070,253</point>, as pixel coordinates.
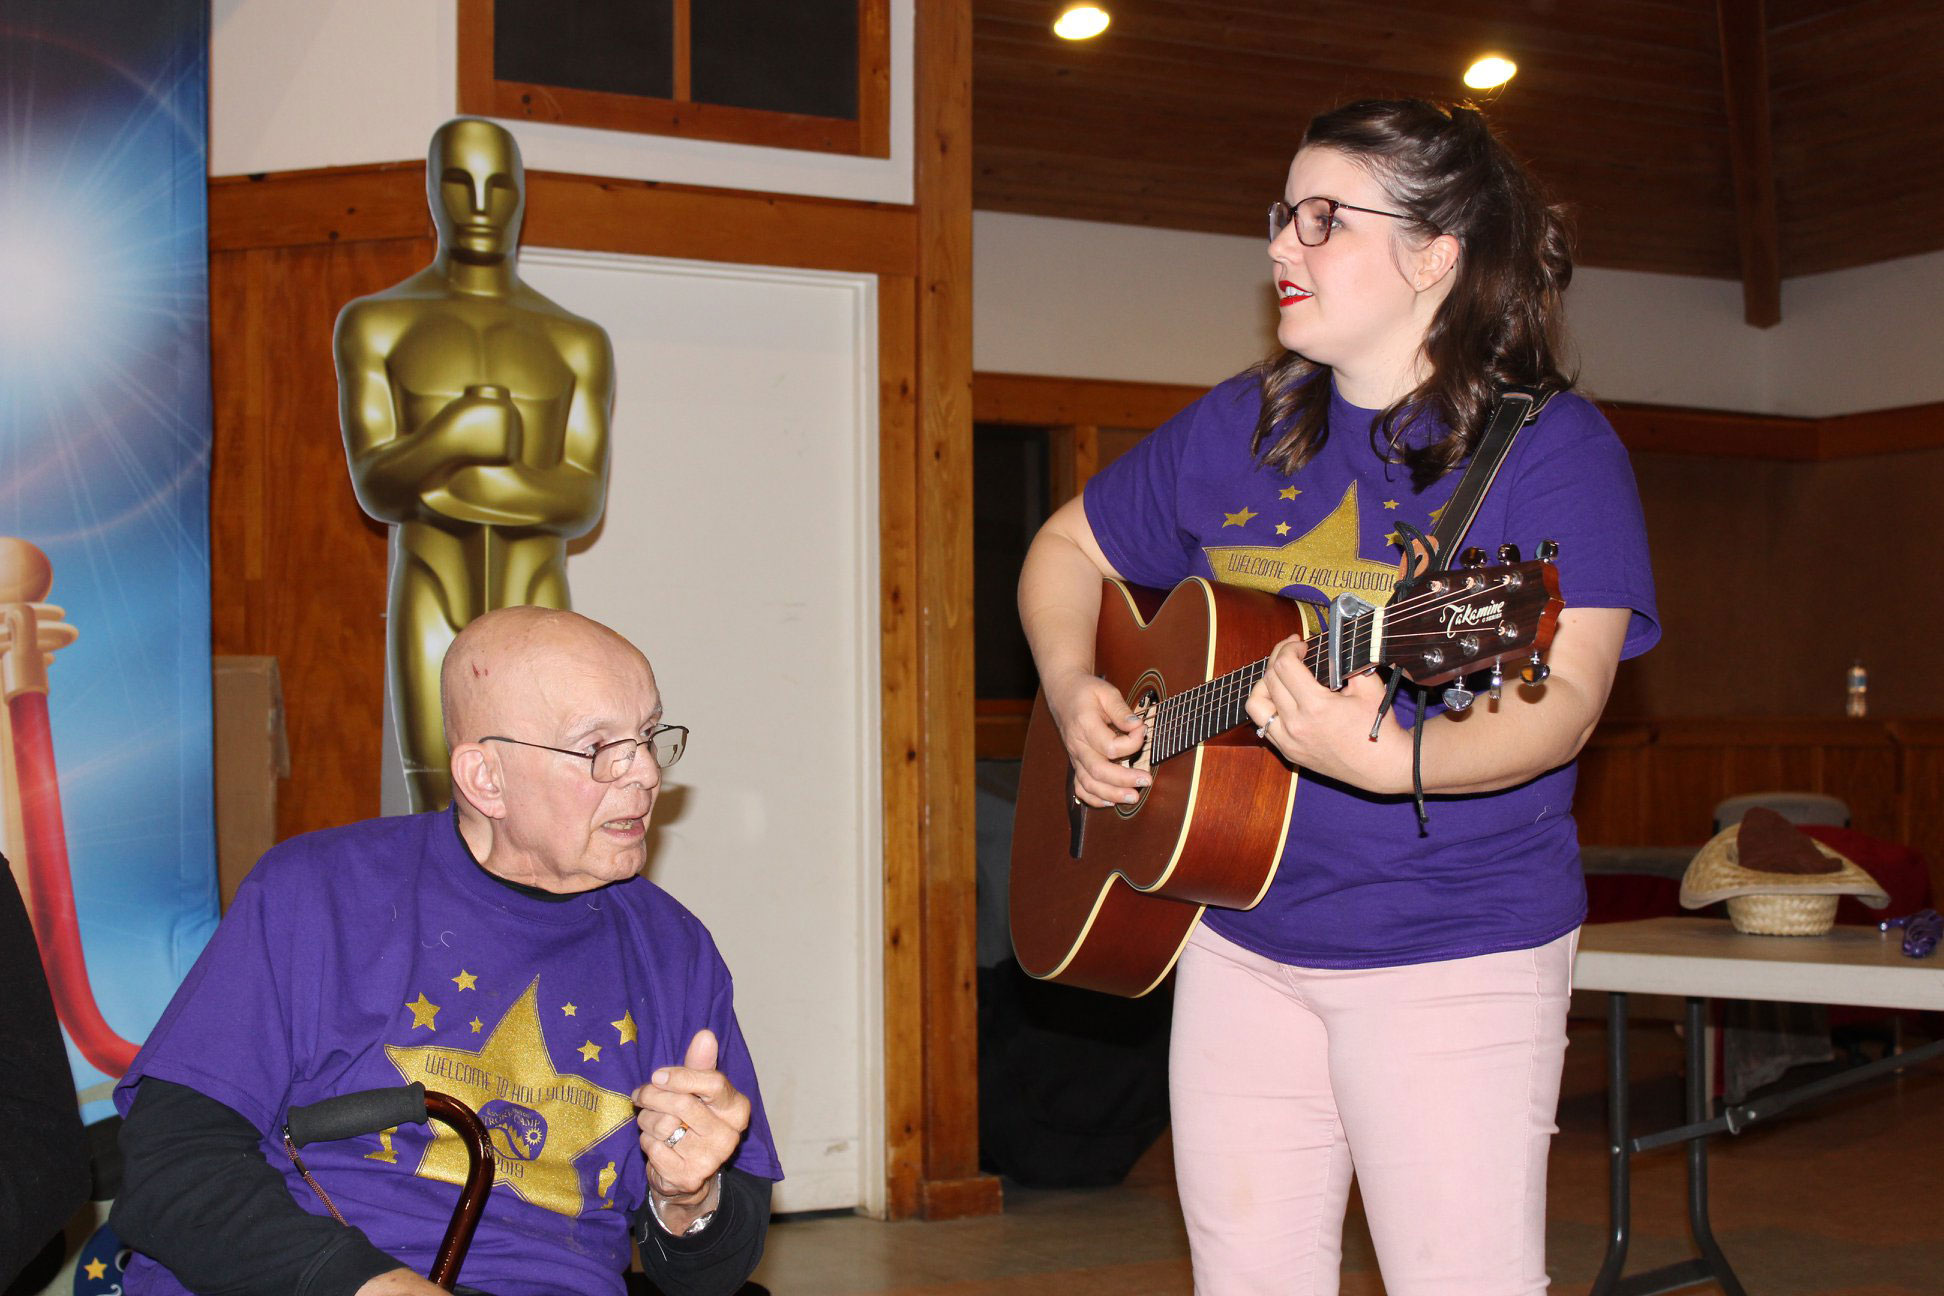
<point>1856,691</point>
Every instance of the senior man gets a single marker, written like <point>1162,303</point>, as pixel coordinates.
<point>505,952</point>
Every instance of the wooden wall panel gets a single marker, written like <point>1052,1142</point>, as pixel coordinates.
<point>904,871</point>
<point>297,570</point>
<point>1920,803</point>
<point>1656,783</point>
<point>1610,801</point>
<point>953,1185</point>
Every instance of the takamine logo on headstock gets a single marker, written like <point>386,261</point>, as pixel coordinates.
<point>1474,617</point>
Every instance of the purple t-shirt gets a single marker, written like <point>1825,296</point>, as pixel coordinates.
<point>1357,886</point>
<point>380,954</point>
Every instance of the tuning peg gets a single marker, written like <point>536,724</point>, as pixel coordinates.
<point>1508,554</point>
<point>1497,678</point>
<point>1548,550</point>
<point>1535,671</point>
<point>1458,698</point>
<point>1472,557</point>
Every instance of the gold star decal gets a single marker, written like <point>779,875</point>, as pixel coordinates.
<point>1288,492</point>
<point>625,1027</point>
<point>1390,504</point>
<point>1237,519</point>
<point>476,1024</point>
<point>423,1013</point>
<point>568,1008</point>
<point>466,980</point>
<point>541,1119</point>
<point>1328,557</point>
<point>1282,528</point>
<point>590,1052</point>
<point>96,1268</point>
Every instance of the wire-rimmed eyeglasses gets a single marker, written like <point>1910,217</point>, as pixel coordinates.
<point>610,761</point>
<point>1315,218</point>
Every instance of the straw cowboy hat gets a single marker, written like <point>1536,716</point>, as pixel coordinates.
<point>1777,881</point>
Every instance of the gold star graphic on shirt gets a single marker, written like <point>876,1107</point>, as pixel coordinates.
<point>96,1268</point>
<point>423,1013</point>
<point>1288,492</point>
<point>569,1009</point>
<point>625,1027</point>
<point>590,1052</point>
<point>476,1024</point>
<point>466,980</point>
<point>541,1119</point>
<point>1282,528</point>
<point>1238,519</point>
<point>1329,557</point>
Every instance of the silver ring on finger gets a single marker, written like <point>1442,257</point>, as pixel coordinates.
<point>1263,728</point>
<point>681,1132</point>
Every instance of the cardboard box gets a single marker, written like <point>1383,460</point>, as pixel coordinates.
<point>252,755</point>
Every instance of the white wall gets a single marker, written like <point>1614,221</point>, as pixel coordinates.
<point>1870,338</point>
<point>311,83</point>
<point>1085,300</point>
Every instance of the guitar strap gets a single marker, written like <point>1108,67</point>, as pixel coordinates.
<point>1517,406</point>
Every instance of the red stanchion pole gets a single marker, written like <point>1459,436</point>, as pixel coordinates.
<point>53,889</point>
<point>24,652</point>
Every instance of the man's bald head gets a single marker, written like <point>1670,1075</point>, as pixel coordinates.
<point>496,666</point>
<point>526,690</point>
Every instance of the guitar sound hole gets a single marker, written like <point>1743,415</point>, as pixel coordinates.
<point>1145,702</point>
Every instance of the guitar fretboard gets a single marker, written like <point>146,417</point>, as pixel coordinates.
<point>1195,715</point>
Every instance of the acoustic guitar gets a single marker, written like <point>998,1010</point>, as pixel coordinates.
<point>1106,898</point>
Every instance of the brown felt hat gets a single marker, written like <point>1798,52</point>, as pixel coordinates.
<point>1777,880</point>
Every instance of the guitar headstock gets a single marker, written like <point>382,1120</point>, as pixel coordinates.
<point>1472,616</point>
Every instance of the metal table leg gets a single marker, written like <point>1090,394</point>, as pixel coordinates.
<point>1619,1153</point>
<point>1711,1265</point>
<point>1699,1085</point>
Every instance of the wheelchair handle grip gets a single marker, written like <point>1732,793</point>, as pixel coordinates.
<point>352,1114</point>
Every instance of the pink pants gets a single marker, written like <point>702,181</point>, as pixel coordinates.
<point>1439,1081</point>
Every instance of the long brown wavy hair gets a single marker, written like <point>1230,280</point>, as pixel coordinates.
<point>1442,166</point>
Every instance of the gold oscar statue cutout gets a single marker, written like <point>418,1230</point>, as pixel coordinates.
<point>475,415</point>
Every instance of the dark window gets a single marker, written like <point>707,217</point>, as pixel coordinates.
<point>614,46</point>
<point>1010,499</point>
<point>799,57</point>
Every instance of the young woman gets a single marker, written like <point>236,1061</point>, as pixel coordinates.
<point>1396,1004</point>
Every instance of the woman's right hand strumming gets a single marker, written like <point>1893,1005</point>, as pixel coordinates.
<point>1100,736</point>
<point>1059,608</point>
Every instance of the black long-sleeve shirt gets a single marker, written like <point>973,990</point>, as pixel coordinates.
<point>44,1174</point>
<point>198,1196</point>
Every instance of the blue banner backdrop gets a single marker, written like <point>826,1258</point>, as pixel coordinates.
<point>104,471</point>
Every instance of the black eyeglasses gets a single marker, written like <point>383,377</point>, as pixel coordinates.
<point>1315,218</point>
<point>610,761</point>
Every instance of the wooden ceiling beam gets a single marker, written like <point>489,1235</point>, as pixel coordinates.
<point>1744,74</point>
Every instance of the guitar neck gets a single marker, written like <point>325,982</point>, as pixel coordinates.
<point>1195,715</point>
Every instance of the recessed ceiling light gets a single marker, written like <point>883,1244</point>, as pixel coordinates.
<point>1491,71</point>
<point>1080,22</point>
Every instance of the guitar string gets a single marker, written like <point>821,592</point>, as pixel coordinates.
<point>1223,708</point>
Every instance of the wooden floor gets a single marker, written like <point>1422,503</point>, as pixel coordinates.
<point>1843,1198</point>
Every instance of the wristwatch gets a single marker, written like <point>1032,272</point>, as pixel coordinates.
<point>697,1224</point>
